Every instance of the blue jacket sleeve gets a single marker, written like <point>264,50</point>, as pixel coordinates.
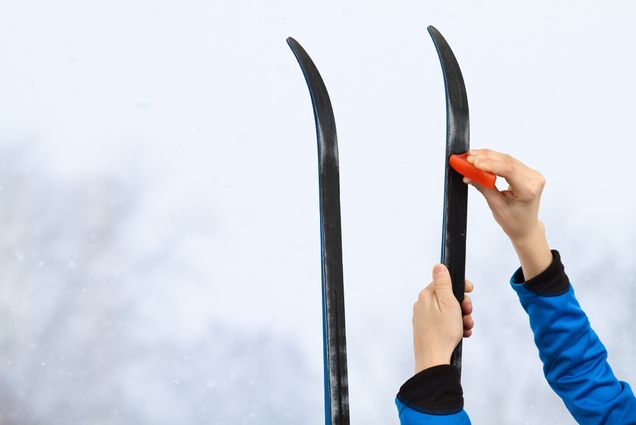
<point>574,359</point>
<point>432,397</point>
<point>410,416</point>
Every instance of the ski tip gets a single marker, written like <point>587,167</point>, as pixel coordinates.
<point>434,32</point>
<point>460,164</point>
<point>437,36</point>
<point>438,40</point>
<point>295,46</point>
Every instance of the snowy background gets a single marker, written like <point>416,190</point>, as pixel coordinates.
<point>159,252</point>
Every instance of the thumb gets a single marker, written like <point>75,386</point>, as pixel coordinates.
<point>442,280</point>
<point>494,197</point>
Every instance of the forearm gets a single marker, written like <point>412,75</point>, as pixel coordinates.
<point>533,251</point>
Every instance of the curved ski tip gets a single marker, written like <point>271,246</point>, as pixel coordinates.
<point>434,33</point>
<point>295,46</point>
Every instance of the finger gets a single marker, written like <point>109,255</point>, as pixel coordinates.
<point>467,306</point>
<point>468,286</point>
<point>486,153</point>
<point>492,161</point>
<point>469,323</point>
<point>477,186</point>
<point>503,167</point>
<point>442,284</point>
<point>467,334</point>
<point>426,294</point>
<point>441,276</point>
<point>494,197</point>
<point>520,177</point>
<point>484,190</point>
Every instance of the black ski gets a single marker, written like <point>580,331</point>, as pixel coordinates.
<point>455,191</point>
<point>333,314</point>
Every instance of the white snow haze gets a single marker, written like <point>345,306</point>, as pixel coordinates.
<point>160,251</point>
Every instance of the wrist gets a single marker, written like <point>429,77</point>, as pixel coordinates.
<point>426,362</point>
<point>528,238</point>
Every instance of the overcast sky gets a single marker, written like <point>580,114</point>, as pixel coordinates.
<point>163,154</point>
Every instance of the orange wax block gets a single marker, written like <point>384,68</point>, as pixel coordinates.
<point>463,167</point>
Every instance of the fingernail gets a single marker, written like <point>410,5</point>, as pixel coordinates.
<point>439,268</point>
<point>470,159</point>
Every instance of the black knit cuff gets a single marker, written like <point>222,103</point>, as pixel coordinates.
<point>435,391</point>
<point>551,282</point>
